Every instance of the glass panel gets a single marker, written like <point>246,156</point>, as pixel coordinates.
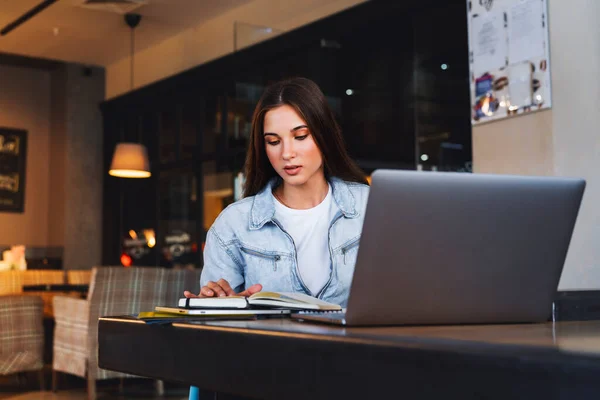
<point>178,215</point>
<point>132,128</point>
<point>442,102</point>
<point>212,125</point>
<point>190,124</point>
<point>218,192</point>
<point>376,113</point>
<point>246,35</point>
<point>239,116</point>
<point>168,136</point>
<point>138,238</point>
<point>149,135</point>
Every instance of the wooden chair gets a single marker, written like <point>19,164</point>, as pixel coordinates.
<point>22,335</point>
<point>113,291</point>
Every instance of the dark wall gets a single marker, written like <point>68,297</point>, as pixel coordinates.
<point>377,63</point>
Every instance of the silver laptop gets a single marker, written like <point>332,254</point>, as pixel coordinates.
<point>457,248</point>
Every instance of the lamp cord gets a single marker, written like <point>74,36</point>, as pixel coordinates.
<point>138,127</point>
<point>132,53</point>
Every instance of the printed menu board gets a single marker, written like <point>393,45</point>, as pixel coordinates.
<point>509,58</point>
<point>13,152</point>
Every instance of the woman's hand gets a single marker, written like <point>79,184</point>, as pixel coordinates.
<point>221,288</point>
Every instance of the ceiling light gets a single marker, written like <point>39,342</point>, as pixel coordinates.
<point>130,160</point>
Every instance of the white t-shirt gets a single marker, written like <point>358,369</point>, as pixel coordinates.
<point>310,231</point>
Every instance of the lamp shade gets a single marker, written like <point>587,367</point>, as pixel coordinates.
<point>130,160</point>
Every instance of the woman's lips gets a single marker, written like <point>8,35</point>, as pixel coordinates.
<point>292,170</point>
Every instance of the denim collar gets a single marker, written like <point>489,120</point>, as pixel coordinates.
<point>263,207</point>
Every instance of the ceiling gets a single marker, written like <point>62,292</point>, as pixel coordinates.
<point>68,31</point>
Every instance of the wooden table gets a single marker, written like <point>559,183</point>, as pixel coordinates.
<point>284,359</point>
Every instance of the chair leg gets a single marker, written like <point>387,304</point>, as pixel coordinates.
<point>91,388</point>
<point>160,387</point>
<point>54,380</point>
<point>42,380</point>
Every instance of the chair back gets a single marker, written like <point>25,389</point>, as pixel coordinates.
<point>180,280</point>
<point>121,291</point>
<point>22,334</point>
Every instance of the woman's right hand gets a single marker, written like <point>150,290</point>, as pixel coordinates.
<point>221,288</point>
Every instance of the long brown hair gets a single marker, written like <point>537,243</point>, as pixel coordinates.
<point>309,102</point>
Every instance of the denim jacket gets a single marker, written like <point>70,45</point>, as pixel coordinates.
<point>247,245</point>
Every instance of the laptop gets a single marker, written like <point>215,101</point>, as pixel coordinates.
<point>459,248</point>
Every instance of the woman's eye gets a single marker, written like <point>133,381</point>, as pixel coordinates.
<point>301,137</point>
<point>273,143</point>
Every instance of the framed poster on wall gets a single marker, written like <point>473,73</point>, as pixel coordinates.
<point>13,153</point>
<point>509,58</point>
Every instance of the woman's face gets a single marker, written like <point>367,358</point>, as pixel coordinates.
<point>290,147</point>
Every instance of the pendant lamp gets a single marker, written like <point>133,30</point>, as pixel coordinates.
<point>130,160</point>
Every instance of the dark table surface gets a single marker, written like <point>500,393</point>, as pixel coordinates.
<point>280,358</point>
<point>62,287</point>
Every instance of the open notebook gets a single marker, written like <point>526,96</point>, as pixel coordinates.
<point>263,300</point>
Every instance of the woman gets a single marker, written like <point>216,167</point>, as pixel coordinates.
<point>298,226</point>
